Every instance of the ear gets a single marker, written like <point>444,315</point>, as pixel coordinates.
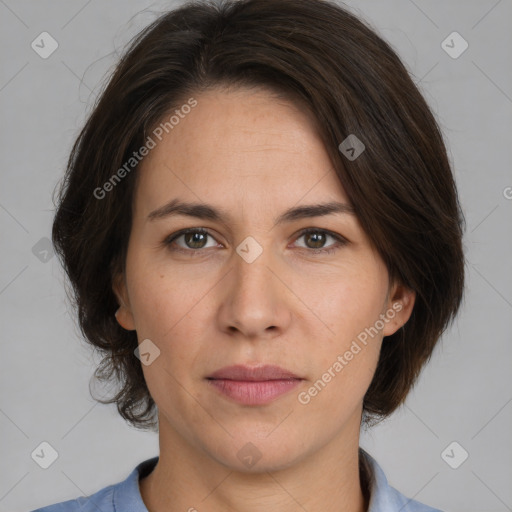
<point>124,314</point>
<point>398,308</point>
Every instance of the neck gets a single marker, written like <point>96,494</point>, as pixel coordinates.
<point>332,480</point>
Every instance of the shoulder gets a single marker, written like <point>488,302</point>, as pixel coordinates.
<point>102,500</point>
<point>123,496</point>
<point>383,497</point>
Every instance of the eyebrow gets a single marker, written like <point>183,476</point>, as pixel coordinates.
<point>209,212</point>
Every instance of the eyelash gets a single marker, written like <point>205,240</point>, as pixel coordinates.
<point>341,241</point>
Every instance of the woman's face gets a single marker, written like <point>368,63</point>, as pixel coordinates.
<point>255,290</point>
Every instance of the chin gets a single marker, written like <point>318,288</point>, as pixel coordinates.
<point>251,454</point>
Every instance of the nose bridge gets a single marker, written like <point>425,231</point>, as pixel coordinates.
<point>251,272</point>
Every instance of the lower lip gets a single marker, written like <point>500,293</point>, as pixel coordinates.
<point>254,393</point>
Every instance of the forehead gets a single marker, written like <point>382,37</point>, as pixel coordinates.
<point>244,148</point>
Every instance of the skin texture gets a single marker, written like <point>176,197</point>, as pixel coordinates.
<point>253,156</point>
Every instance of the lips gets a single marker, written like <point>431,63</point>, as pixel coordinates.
<point>253,386</point>
<point>253,374</point>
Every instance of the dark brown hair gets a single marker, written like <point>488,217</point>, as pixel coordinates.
<point>352,82</point>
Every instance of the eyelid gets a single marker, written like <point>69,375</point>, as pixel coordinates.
<point>307,231</point>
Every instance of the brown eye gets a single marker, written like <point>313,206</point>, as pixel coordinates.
<point>316,239</point>
<point>193,240</point>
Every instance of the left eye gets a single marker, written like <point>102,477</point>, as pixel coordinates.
<point>316,239</point>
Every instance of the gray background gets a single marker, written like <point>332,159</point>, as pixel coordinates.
<point>463,395</point>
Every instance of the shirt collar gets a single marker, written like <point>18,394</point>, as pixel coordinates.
<point>127,496</point>
<point>385,498</point>
<point>378,483</point>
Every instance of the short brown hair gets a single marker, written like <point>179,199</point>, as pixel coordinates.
<point>352,82</point>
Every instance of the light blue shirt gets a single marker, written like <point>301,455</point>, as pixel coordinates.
<point>125,496</point>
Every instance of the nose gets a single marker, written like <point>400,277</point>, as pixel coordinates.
<point>255,301</point>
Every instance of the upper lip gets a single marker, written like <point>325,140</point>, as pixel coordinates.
<point>253,373</point>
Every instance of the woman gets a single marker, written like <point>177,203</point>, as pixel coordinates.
<point>263,234</point>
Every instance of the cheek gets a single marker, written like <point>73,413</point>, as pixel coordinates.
<point>171,311</point>
<point>344,367</point>
<point>348,302</point>
<point>168,316</point>
<point>158,297</point>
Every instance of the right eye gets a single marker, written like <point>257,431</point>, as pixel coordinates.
<point>194,239</point>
